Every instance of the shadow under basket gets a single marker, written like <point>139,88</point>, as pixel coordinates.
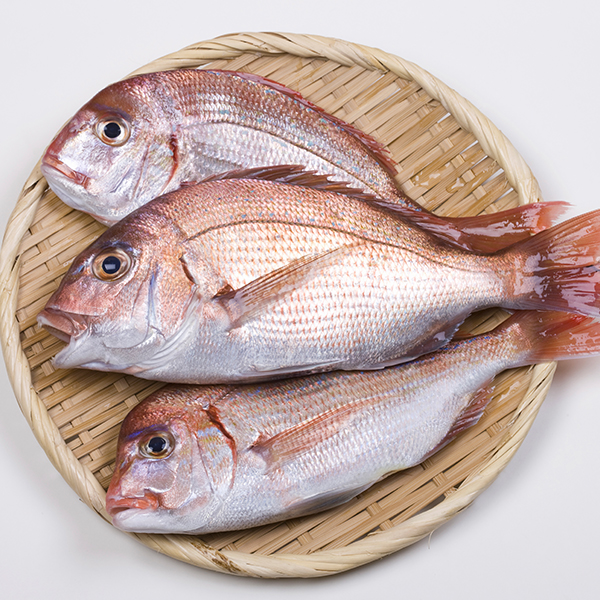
<point>451,159</point>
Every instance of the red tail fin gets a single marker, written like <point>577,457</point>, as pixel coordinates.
<point>550,335</point>
<point>558,269</point>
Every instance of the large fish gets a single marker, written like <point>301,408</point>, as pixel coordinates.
<point>206,459</point>
<point>233,280</point>
<point>145,136</point>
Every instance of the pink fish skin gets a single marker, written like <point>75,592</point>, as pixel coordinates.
<point>197,460</point>
<point>145,136</point>
<point>241,279</point>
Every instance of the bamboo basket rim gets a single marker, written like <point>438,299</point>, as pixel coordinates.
<point>323,562</point>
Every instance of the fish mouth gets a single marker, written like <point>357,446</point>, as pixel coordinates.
<point>117,505</point>
<point>62,325</point>
<point>53,162</point>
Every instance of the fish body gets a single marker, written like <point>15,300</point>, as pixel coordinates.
<point>194,459</point>
<point>145,136</point>
<point>241,279</point>
<point>188,124</point>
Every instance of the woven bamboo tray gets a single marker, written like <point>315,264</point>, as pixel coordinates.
<point>451,159</point>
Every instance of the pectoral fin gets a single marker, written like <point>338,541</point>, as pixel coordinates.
<point>289,444</point>
<point>257,296</point>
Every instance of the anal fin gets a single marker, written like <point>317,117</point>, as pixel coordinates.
<point>469,417</point>
<point>324,501</point>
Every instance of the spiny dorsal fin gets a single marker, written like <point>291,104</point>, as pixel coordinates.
<point>289,174</point>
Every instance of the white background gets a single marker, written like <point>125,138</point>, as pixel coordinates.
<point>532,67</point>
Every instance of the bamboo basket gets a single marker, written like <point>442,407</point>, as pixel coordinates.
<point>451,159</point>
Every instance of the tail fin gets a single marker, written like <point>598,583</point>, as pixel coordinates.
<point>486,233</point>
<point>550,335</point>
<point>558,269</point>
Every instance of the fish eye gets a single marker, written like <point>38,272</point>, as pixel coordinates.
<point>159,445</point>
<point>111,264</point>
<point>113,131</point>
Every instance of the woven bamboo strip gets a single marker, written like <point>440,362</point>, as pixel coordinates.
<point>458,162</point>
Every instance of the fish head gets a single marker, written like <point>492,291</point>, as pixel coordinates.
<point>117,153</point>
<point>122,299</point>
<point>162,481</point>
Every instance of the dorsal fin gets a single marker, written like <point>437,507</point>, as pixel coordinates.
<point>484,233</point>
<point>290,174</point>
<point>379,152</point>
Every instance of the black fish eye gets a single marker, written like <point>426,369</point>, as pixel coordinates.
<point>111,264</point>
<point>112,130</point>
<point>158,446</point>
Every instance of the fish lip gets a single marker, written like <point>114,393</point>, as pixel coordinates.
<point>52,161</point>
<point>62,325</point>
<point>116,505</point>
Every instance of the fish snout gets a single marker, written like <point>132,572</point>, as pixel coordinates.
<point>51,163</point>
<point>116,503</point>
<point>62,325</point>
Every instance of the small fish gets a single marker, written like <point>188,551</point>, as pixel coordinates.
<point>195,460</point>
<point>242,279</point>
<point>145,136</point>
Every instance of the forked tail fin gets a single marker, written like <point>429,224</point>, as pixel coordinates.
<point>558,269</point>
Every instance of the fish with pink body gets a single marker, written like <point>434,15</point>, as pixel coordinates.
<point>194,459</point>
<point>238,279</point>
<point>145,136</point>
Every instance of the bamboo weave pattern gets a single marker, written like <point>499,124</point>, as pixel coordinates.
<point>450,158</point>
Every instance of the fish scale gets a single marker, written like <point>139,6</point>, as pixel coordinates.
<point>381,318</point>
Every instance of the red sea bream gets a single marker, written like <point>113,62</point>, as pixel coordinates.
<point>145,136</point>
<point>194,459</point>
<point>241,279</point>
